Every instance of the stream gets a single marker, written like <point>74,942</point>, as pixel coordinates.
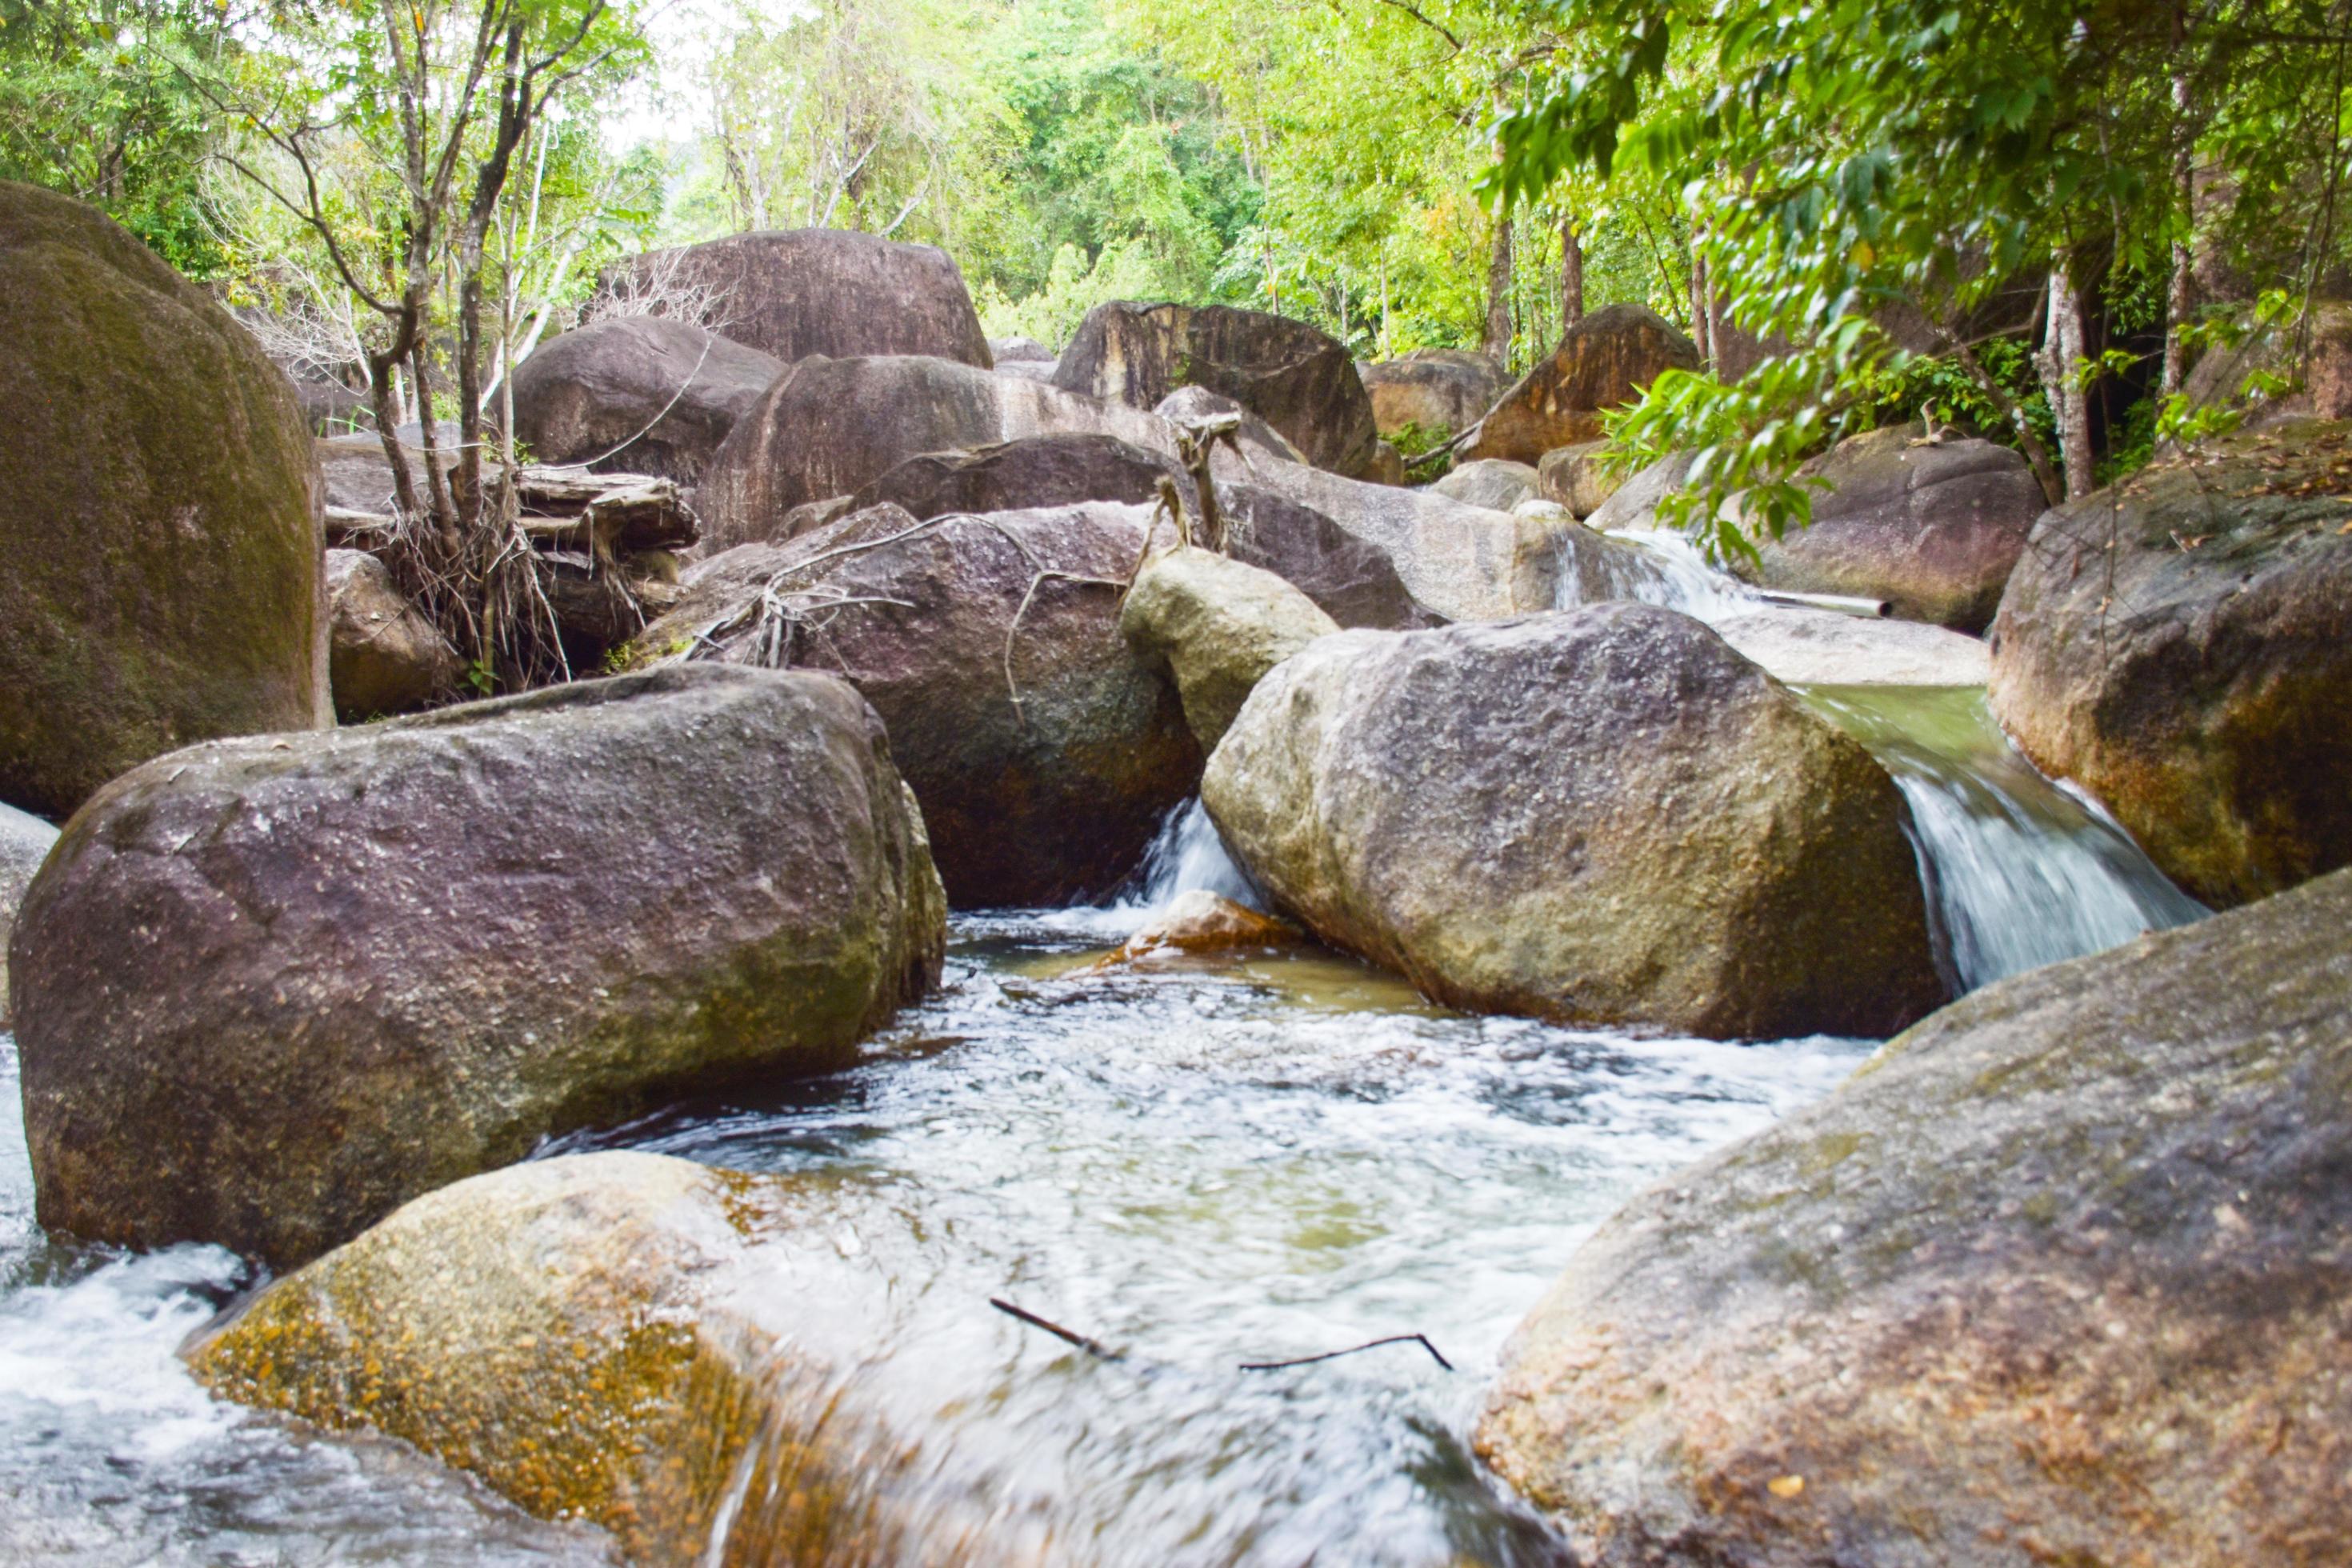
<point>1200,1161</point>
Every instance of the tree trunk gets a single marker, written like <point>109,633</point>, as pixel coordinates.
<point>1699,315</point>
<point>1498,342</point>
<point>2062,351</point>
<point>2180,297</point>
<point>1571,275</point>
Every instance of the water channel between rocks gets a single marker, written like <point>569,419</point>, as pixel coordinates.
<point>1200,1164</point>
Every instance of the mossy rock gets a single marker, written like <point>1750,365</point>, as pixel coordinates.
<point>159,514</point>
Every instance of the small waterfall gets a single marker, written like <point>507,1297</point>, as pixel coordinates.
<point>1187,853</point>
<point>1665,569</point>
<point>2023,873</point>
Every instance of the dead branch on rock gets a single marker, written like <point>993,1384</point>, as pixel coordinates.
<point>1422,1340</point>
<point>1092,1347</point>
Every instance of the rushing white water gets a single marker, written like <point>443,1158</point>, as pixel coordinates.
<point>1186,854</point>
<point>2023,872</point>
<point>1681,578</point>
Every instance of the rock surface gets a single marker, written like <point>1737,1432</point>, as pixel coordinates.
<point>1198,921</point>
<point>25,841</point>
<point>1061,469</point>
<point>2059,1277</point>
<point>1605,360</point>
<point>269,989</point>
<point>607,1336</point>
<point>641,394</point>
<point>1935,530</point>
<point>384,656</point>
<point>1438,390</point>
<point>2182,646</point>
<point>832,426</point>
<point>1598,816</point>
<point>832,291</point>
<point>1632,506</point>
<point>1578,477</point>
<point>1807,647</point>
<point>1044,753</point>
<point>1489,482</point>
<point>1188,405</point>
<point>1219,625</point>
<point>159,514</point>
<point>1296,377</point>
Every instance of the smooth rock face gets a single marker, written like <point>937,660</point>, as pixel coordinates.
<point>2059,1277</point>
<point>1440,391</point>
<point>1199,921</point>
<point>1578,477</point>
<point>1219,625</point>
<point>1019,350</point>
<point>1605,360</point>
<point>1935,530</point>
<point>1633,504</point>
<point>830,428</point>
<point>1296,377</point>
<point>2182,646</point>
<point>269,989</point>
<point>832,291</point>
<point>159,514</point>
<point>1603,816</point>
<point>1490,482</point>
<point>384,658</point>
<point>1806,647</point>
<point>25,841</point>
<point>1045,753</point>
<point>607,1336</point>
<point>639,394</point>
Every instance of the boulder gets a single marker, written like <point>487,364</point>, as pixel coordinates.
<point>1387,467</point>
<point>1011,476</point>
<point>1018,351</point>
<point>1218,625</point>
<point>603,1337</point>
<point>1188,405</point>
<point>2320,387</point>
<point>1489,482</point>
<point>642,395</point>
<point>1043,750</point>
<point>2058,1277</point>
<point>25,841</point>
<point>1199,921</point>
<point>1605,360</point>
<point>269,989</point>
<point>832,291</point>
<point>1632,506</point>
<point>831,426</point>
<point>2181,646</point>
<point>1435,392</point>
<point>1807,646</point>
<point>1598,816</point>
<point>1296,377</point>
<point>1356,581</point>
<point>384,656</point>
<point>1578,477</point>
<point>1932,528</point>
<point>160,523</point>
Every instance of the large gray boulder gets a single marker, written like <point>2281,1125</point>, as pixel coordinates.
<point>269,989</point>
<point>1602,816</point>
<point>2059,1276</point>
<point>1632,506</point>
<point>601,1337</point>
<point>1197,405</point>
<point>1219,625</point>
<point>2181,646</point>
<point>832,426</point>
<point>1933,528</point>
<point>832,291</point>
<point>1044,749</point>
<point>1606,360</point>
<point>1296,377</point>
<point>639,394</point>
<point>1490,482</point>
<point>384,656</point>
<point>1580,477</point>
<point>159,514</point>
<point>25,841</point>
<point>1437,392</point>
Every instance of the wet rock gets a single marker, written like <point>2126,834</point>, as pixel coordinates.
<point>1580,477</point>
<point>384,656</point>
<point>1632,506</point>
<point>1199,921</point>
<point>1934,530</point>
<point>1807,646</point>
<point>1605,360</point>
<point>1295,376</point>
<point>269,989</point>
<point>640,395</point>
<point>1598,816</point>
<point>2058,1277</point>
<point>159,514</point>
<point>1219,625</point>
<point>604,1337</point>
<point>832,291</point>
<point>1436,392</point>
<point>832,426</point>
<point>1044,753</point>
<point>1490,482</point>
<point>25,841</point>
<point>2181,646</point>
